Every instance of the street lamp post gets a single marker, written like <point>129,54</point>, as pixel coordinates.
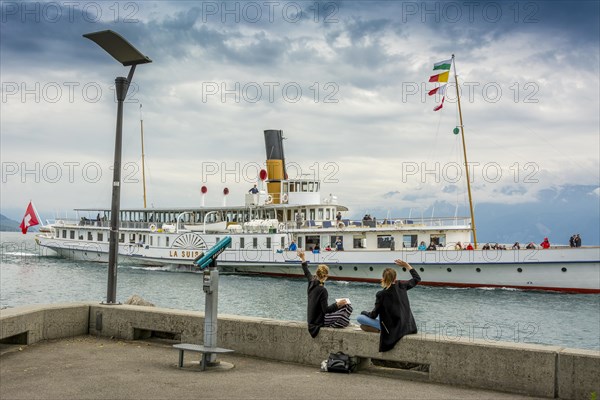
<point>122,51</point>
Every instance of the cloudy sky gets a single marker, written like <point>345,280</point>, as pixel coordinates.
<point>347,82</point>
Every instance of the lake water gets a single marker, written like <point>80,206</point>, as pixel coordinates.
<point>570,320</point>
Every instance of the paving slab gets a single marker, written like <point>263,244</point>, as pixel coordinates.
<point>87,367</point>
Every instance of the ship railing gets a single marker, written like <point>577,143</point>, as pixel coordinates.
<point>379,223</point>
<point>102,223</point>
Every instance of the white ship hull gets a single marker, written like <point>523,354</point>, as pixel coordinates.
<point>559,269</point>
<point>568,270</point>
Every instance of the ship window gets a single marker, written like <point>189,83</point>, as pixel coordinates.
<point>311,186</point>
<point>72,234</point>
<point>282,244</point>
<point>241,243</point>
<point>151,240</point>
<point>438,240</point>
<point>327,214</point>
<point>320,214</point>
<point>311,214</point>
<point>254,243</point>
<point>268,243</point>
<point>358,242</point>
<point>333,239</point>
<point>158,241</point>
<point>312,241</point>
<point>167,241</point>
<point>384,241</point>
<point>64,233</point>
<point>300,241</point>
<point>89,235</point>
<point>409,240</point>
<point>122,238</point>
<point>100,236</point>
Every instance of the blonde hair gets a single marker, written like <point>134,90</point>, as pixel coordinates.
<point>388,277</point>
<point>322,272</point>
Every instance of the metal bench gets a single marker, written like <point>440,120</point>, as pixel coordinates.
<point>198,348</point>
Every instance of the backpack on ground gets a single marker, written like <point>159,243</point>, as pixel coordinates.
<point>339,362</point>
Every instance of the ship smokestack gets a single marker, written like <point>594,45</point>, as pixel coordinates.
<point>275,163</point>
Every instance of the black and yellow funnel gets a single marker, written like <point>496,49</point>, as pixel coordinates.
<point>275,163</point>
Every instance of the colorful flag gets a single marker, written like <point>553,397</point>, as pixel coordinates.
<point>443,77</point>
<point>30,219</point>
<point>443,65</point>
<point>437,108</point>
<point>440,89</point>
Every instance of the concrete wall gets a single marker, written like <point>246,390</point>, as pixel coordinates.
<point>536,370</point>
<point>35,323</point>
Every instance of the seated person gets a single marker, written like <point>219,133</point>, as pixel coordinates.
<point>486,247</point>
<point>431,246</point>
<point>392,316</point>
<point>328,248</point>
<point>319,312</point>
<point>422,246</point>
<point>530,246</point>
<point>469,247</point>
<point>516,246</point>
<point>458,246</point>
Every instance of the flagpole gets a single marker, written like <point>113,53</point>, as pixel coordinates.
<point>143,164</point>
<point>462,132</point>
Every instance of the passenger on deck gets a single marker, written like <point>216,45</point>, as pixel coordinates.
<point>392,309</point>
<point>316,249</point>
<point>545,244</point>
<point>339,245</point>
<point>253,190</point>
<point>338,217</point>
<point>299,220</point>
<point>422,246</point>
<point>486,247</point>
<point>577,240</point>
<point>458,246</point>
<point>516,246</point>
<point>328,248</point>
<point>530,246</point>
<point>293,246</point>
<point>319,313</point>
<point>469,247</point>
<point>572,241</point>
<point>431,246</point>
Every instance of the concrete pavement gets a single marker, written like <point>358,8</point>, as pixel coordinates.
<point>87,367</point>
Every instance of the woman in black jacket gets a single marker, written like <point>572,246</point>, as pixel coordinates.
<point>318,312</point>
<point>392,315</point>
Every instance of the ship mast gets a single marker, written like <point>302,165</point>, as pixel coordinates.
<point>462,133</point>
<point>143,164</point>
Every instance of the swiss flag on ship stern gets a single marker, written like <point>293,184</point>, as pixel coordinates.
<point>30,219</point>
